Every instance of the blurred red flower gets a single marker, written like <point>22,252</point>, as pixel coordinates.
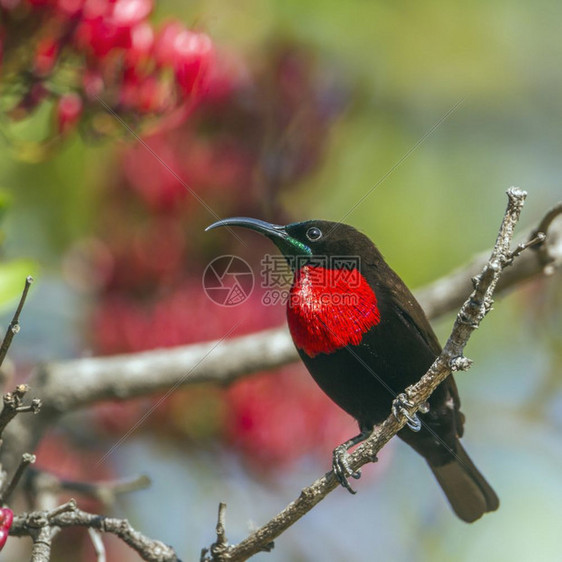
<point>87,50</point>
<point>255,132</point>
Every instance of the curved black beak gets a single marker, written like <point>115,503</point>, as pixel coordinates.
<point>278,234</point>
<point>266,228</point>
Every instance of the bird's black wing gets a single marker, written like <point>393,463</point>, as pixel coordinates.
<point>410,312</point>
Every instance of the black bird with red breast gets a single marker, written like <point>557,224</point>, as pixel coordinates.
<point>364,338</point>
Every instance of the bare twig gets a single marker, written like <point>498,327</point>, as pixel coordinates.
<point>220,546</point>
<point>552,245</point>
<point>26,460</point>
<point>14,326</point>
<point>97,543</point>
<point>221,533</point>
<point>548,219</point>
<point>13,405</point>
<point>41,523</point>
<point>106,492</point>
<point>451,359</point>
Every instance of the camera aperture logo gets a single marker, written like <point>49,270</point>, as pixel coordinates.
<point>228,280</point>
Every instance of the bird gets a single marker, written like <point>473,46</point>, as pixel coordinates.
<point>364,338</point>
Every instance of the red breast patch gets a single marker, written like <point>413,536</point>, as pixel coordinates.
<point>330,308</point>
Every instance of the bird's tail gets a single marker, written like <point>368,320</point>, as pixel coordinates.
<point>466,489</point>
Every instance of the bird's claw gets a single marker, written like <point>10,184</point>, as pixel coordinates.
<point>342,470</point>
<point>399,409</point>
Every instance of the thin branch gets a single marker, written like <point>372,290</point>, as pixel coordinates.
<point>26,460</point>
<point>219,548</point>
<point>97,543</point>
<point>13,405</point>
<point>14,326</point>
<point>553,243</point>
<point>548,219</point>
<point>451,359</point>
<point>106,492</point>
<point>68,515</point>
<point>537,240</point>
<point>43,488</point>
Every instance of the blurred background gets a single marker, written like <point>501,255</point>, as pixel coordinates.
<point>411,119</point>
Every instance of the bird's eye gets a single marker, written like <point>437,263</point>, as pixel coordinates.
<point>313,233</point>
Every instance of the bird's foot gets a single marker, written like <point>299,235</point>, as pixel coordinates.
<point>341,468</point>
<point>399,409</point>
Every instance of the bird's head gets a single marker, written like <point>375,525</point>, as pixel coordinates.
<point>331,303</point>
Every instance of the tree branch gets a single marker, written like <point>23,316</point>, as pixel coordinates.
<point>26,460</point>
<point>39,525</point>
<point>106,492</point>
<point>97,543</point>
<point>451,359</point>
<point>14,326</point>
<point>13,405</point>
